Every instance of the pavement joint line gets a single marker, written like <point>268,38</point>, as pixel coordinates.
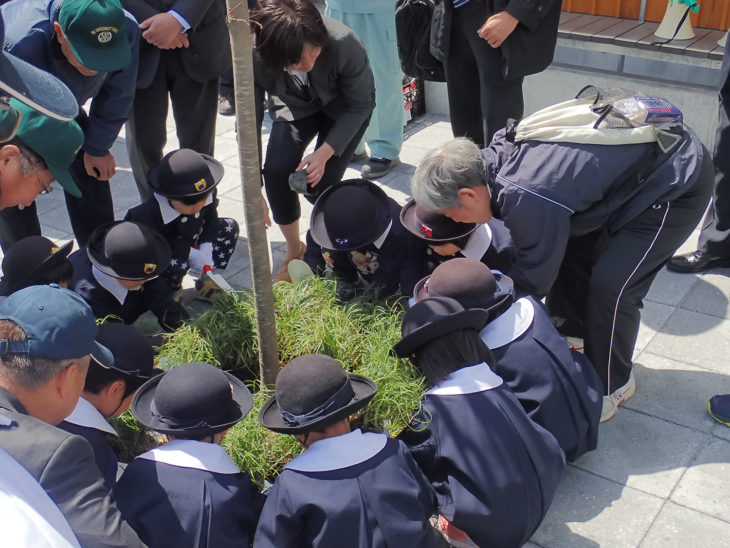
<point>652,523</point>
<point>698,450</point>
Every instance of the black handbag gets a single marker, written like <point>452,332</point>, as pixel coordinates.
<point>413,33</point>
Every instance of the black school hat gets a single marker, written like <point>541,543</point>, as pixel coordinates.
<point>431,226</point>
<point>134,356</point>
<point>192,400</point>
<point>350,215</point>
<point>471,283</point>
<point>183,173</point>
<point>312,392</point>
<point>128,250</point>
<point>28,260</point>
<point>435,317</point>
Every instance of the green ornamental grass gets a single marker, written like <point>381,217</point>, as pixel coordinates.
<point>359,335</point>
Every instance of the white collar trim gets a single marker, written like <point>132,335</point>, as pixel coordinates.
<point>510,325</point>
<point>380,241</point>
<point>467,380</point>
<point>111,284</point>
<point>339,452</point>
<point>198,455</point>
<point>478,243</point>
<point>168,212</point>
<point>88,416</point>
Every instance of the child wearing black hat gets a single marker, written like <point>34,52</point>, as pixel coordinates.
<point>494,470</point>
<point>35,260</point>
<point>355,234</point>
<point>348,488</point>
<point>117,272</point>
<point>446,239</point>
<point>184,210</point>
<point>558,387</point>
<point>108,391</point>
<point>188,492</point>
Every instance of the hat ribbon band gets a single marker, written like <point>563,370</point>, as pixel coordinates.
<point>14,347</point>
<point>178,423</point>
<point>345,395</point>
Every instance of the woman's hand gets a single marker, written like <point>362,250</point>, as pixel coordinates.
<point>315,163</point>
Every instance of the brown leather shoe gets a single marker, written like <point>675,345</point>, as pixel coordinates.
<point>697,261</point>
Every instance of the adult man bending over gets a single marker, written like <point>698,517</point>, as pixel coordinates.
<point>46,339</point>
<point>592,225</point>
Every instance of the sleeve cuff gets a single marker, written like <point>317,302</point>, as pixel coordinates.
<point>181,20</point>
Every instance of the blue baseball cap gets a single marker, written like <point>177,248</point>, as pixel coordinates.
<point>58,324</point>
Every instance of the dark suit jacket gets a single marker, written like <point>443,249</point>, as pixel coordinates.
<point>209,54</point>
<point>64,466</point>
<point>341,84</point>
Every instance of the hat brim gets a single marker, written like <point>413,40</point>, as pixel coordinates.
<point>108,59</point>
<point>36,88</point>
<point>8,286</point>
<point>409,222</point>
<point>62,175</point>
<point>270,414</point>
<point>142,405</point>
<point>318,230</point>
<point>215,167</point>
<point>472,318</point>
<point>102,355</point>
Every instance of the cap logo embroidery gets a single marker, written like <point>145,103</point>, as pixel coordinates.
<point>104,34</point>
<point>426,231</point>
<point>200,185</point>
<point>342,241</point>
<point>149,268</point>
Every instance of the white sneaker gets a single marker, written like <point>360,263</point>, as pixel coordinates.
<point>611,403</point>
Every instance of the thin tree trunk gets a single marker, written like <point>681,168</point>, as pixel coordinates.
<point>241,48</point>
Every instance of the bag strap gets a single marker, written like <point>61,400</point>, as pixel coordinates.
<point>679,26</point>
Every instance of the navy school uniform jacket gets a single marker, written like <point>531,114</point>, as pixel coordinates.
<point>358,490</point>
<point>386,265</point>
<point>182,232</point>
<point>188,494</point>
<point>155,295</point>
<point>557,387</point>
<point>490,243</point>
<point>494,470</point>
<point>86,421</point>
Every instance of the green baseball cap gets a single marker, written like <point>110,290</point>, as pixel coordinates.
<point>97,33</point>
<point>56,141</point>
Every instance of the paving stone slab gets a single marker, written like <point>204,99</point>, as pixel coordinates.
<point>676,391</point>
<point>642,452</point>
<point>698,339</point>
<point>670,287</point>
<point>679,527</point>
<point>705,486</point>
<point>710,294</point>
<point>590,512</point>
<point>653,317</point>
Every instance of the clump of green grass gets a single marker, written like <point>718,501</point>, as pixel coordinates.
<point>133,438</point>
<point>185,345</point>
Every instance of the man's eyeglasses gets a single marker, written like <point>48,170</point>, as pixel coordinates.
<point>45,189</point>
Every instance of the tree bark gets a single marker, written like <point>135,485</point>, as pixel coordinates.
<point>253,205</point>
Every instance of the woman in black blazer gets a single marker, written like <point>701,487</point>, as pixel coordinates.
<point>317,76</point>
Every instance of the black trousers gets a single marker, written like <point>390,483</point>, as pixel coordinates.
<point>93,209</point>
<point>285,150</point>
<point>480,99</point>
<point>194,106</point>
<point>604,278</point>
<point>715,234</point>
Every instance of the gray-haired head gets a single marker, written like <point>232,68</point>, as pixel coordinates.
<point>446,170</point>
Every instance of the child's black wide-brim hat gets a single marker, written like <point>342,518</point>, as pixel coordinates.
<point>433,227</point>
<point>312,393</point>
<point>435,317</point>
<point>134,356</point>
<point>28,259</point>
<point>128,250</point>
<point>350,215</point>
<point>192,400</point>
<point>184,173</point>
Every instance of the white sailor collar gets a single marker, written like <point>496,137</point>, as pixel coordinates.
<point>198,455</point>
<point>467,380</point>
<point>111,284</point>
<point>510,325</point>
<point>381,240</point>
<point>88,416</point>
<point>168,212</point>
<point>478,243</point>
<point>339,452</point>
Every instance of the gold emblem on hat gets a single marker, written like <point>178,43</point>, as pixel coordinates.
<point>54,249</point>
<point>149,268</point>
<point>200,185</point>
